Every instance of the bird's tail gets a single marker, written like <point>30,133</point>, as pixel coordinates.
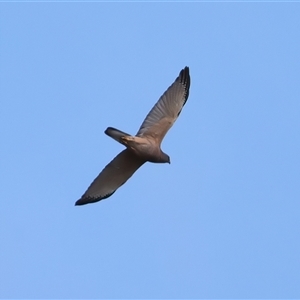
<point>116,134</point>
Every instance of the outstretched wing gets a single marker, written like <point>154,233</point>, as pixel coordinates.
<point>115,174</point>
<point>167,109</point>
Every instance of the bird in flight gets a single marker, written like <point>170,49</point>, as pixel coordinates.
<point>144,146</point>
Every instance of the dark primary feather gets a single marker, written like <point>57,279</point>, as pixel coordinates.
<point>185,79</point>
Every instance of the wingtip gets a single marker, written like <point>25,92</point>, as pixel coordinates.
<point>80,202</point>
<point>185,79</point>
<point>184,75</point>
<point>86,200</point>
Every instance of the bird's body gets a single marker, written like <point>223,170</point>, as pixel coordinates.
<point>144,146</point>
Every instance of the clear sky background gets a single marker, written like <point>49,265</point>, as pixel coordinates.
<point>221,221</point>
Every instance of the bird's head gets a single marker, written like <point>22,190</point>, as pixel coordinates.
<point>165,158</point>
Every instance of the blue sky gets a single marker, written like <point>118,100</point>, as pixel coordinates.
<point>222,221</point>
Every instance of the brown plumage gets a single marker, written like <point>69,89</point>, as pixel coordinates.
<point>143,147</point>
